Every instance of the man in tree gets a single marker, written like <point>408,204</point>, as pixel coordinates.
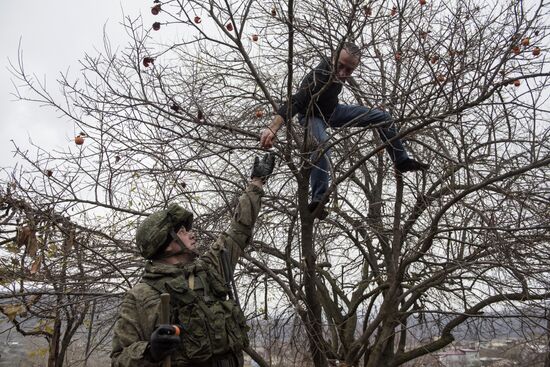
<point>316,103</point>
<point>204,308</point>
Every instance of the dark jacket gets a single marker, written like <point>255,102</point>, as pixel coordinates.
<point>307,102</point>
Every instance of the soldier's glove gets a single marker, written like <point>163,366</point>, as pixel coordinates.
<point>263,167</point>
<point>164,340</point>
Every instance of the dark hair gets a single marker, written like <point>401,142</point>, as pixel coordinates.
<point>352,49</point>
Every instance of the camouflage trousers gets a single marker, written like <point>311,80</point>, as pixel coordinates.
<point>226,360</point>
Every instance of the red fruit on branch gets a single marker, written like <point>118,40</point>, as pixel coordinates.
<point>49,173</point>
<point>155,9</point>
<point>398,56</point>
<point>229,27</point>
<point>255,37</point>
<point>367,10</point>
<point>393,11</point>
<point>156,26</point>
<point>273,12</point>
<point>536,51</point>
<point>79,140</point>
<point>148,61</point>
<point>423,2</point>
<point>517,83</point>
<point>197,19</point>
<point>259,113</point>
<point>434,59</point>
<point>525,41</point>
<point>516,50</point>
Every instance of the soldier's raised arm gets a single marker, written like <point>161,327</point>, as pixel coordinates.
<point>239,233</point>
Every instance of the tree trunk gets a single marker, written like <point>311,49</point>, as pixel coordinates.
<point>54,343</point>
<point>547,359</point>
<point>313,313</point>
<point>312,317</point>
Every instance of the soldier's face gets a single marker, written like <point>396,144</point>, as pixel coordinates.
<point>345,65</point>
<point>188,238</point>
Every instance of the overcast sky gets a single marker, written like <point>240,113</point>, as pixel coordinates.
<point>54,36</point>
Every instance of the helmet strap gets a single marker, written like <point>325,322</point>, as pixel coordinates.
<point>183,249</point>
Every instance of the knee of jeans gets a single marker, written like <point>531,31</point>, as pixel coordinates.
<point>317,132</point>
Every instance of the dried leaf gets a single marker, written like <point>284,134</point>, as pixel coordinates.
<point>32,247</point>
<point>35,267</point>
<point>23,235</point>
<point>13,310</point>
<point>33,299</point>
<point>69,241</point>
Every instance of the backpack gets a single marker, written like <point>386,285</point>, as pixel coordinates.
<point>212,324</point>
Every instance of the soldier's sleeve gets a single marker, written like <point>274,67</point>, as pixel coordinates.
<point>239,234</point>
<point>131,336</point>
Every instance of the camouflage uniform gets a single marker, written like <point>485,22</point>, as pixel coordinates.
<point>139,311</point>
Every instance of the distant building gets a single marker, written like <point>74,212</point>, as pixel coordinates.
<point>459,358</point>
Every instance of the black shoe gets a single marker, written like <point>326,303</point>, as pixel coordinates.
<point>321,214</point>
<point>411,165</point>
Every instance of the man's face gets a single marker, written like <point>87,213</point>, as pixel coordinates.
<point>345,65</point>
<point>188,238</point>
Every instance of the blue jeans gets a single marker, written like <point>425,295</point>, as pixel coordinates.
<point>349,116</point>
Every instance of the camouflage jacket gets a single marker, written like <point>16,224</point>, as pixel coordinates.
<point>139,311</point>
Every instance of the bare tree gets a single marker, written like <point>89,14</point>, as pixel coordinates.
<point>178,120</point>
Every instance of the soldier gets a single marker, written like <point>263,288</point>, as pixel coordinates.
<point>316,103</point>
<point>211,326</point>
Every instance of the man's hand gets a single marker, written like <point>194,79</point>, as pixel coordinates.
<point>263,168</point>
<point>164,340</point>
<point>267,137</point>
<point>269,133</point>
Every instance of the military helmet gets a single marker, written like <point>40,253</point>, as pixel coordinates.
<point>153,234</point>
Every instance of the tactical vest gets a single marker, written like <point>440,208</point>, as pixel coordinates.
<point>212,324</point>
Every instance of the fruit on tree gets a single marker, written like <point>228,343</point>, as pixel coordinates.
<point>197,19</point>
<point>79,140</point>
<point>148,61</point>
<point>155,9</point>
<point>367,10</point>
<point>156,26</point>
